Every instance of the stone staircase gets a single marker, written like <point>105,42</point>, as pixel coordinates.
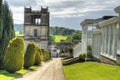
<point>71,61</point>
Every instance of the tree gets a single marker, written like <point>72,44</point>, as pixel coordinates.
<point>74,37</point>
<point>69,38</point>
<point>61,31</point>
<point>14,56</point>
<point>52,38</point>
<point>1,28</point>
<point>6,29</point>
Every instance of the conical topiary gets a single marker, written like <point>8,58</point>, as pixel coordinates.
<point>30,54</point>
<point>38,57</point>
<point>14,56</point>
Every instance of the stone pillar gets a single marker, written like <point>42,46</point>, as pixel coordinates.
<point>117,10</point>
<point>84,39</point>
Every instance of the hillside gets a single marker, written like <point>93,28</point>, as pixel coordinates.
<point>18,29</point>
<point>61,32</point>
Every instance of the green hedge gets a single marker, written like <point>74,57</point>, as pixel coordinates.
<point>82,57</point>
<point>30,54</point>
<point>38,57</point>
<point>46,55</point>
<point>41,54</point>
<point>14,56</point>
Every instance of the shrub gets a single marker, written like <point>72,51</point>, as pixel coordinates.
<point>30,54</point>
<point>46,55</point>
<point>14,56</point>
<point>38,57</point>
<point>82,57</point>
<point>41,54</point>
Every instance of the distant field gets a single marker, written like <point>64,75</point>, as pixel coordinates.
<point>18,34</point>
<point>58,38</point>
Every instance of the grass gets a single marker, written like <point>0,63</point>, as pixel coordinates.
<point>91,71</point>
<point>58,38</point>
<point>18,34</point>
<point>4,75</point>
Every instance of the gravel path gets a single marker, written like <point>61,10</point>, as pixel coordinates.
<point>50,71</point>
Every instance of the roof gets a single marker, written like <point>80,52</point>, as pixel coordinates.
<point>94,21</point>
<point>109,21</point>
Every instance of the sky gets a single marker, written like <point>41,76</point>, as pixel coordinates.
<point>65,13</point>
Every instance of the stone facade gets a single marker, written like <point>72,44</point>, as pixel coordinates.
<point>36,26</point>
<point>105,38</point>
<point>118,59</point>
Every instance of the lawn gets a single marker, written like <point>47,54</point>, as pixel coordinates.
<point>58,38</point>
<point>91,71</point>
<point>4,75</point>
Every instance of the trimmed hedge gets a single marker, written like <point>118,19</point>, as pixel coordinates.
<point>46,55</point>
<point>41,54</point>
<point>82,57</point>
<point>14,56</point>
<point>38,57</point>
<point>30,54</point>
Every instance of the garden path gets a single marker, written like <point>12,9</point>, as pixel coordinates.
<point>49,71</point>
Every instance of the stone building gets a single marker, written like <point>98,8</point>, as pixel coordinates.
<point>105,38</point>
<point>36,26</point>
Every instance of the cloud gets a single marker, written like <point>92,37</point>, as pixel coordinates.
<point>19,3</point>
<point>73,11</point>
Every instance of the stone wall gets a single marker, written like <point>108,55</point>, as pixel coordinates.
<point>41,31</point>
<point>107,60</point>
<point>42,44</point>
<point>118,59</point>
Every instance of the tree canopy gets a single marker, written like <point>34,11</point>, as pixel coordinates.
<point>6,28</point>
<point>62,31</point>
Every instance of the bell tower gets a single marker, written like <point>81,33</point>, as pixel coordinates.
<point>36,26</point>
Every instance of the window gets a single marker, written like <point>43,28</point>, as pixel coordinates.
<point>37,21</point>
<point>35,32</point>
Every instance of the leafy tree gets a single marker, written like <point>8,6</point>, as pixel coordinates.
<point>62,31</point>
<point>1,28</point>
<point>74,37</point>
<point>52,38</point>
<point>6,29</point>
<point>69,38</point>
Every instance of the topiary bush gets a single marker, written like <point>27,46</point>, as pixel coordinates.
<point>46,55</point>
<point>14,56</point>
<point>30,54</point>
<point>41,54</point>
<point>37,57</point>
<point>82,57</point>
